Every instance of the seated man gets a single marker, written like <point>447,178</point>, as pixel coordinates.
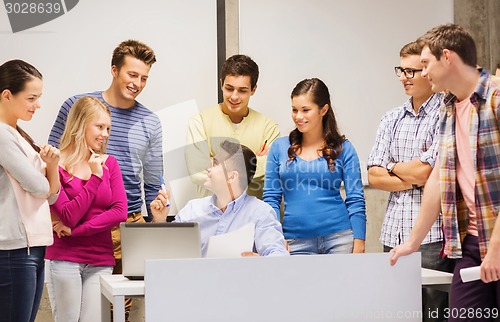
<point>229,208</point>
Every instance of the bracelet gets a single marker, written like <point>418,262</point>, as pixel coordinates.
<point>390,166</point>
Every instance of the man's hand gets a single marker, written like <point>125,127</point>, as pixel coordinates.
<point>490,267</point>
<point>264,150</point>
<point>401,250</point>
<point>159,206</point>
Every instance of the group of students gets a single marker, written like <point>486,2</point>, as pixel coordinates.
<point>77,239</point>
<point>235,153</point>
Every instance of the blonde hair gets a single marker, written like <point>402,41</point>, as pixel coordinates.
<point>73,142</point>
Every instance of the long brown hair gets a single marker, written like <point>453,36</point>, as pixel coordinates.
<point>320,95</point>
<point>14,74</point>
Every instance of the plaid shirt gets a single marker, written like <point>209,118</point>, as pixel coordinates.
<point>403,136</point>
<point>484,137</point>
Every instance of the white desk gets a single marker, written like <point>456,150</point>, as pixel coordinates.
<point>436,279</point>
<point>114,288</point>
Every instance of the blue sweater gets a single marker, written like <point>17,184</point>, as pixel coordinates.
<point>313,204</point>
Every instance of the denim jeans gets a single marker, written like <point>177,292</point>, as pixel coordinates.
<point>74,290</point>
<point>337,243</point>
<point>21,283</point>
<point>434,302</point>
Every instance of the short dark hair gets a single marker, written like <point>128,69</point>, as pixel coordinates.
<point>240,65</point>
<point>452,37</point>
<point>410,49</point>
<point>242,159</point>
<point>135,49</point>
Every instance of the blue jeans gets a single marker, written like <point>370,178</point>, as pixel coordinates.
<point>337,243</point>
<point>74,290</point>
<point>21,283</point>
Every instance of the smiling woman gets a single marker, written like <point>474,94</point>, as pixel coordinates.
<point>92,201</point>
<point>28,178</point>
<point>311,164</point>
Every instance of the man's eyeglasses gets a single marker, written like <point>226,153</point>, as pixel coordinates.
<point>409,72</point>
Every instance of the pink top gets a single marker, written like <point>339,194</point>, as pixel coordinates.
<point>90,208</point>
<point>465,167</point>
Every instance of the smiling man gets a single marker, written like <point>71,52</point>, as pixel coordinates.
<point>465,183</point>
<point>229,208</point>
<point>401,160</point>
<point>136,134</point>
<point>232,119</point>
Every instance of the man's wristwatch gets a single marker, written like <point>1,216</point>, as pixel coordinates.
<point>390,166</point>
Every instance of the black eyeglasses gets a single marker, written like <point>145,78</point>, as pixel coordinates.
<point>409,72</point>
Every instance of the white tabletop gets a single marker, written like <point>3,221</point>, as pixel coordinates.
<point>432,277</point>
<point>118,285</point>
<point>114,285</point>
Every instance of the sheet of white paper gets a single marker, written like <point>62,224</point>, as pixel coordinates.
<point>232,244</point>
<point>470,274</point>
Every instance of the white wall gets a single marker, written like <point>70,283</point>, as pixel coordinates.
<point>352,46</point>
<point>73,52</point>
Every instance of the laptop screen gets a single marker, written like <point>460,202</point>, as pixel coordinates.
<point>142,241</point>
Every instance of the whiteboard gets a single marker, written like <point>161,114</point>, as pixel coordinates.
<point>352,45</point>
<point>73,52</point>
<point>346,287</point>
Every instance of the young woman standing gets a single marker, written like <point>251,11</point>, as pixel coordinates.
<point>307,170</point>
<point>28,178</point>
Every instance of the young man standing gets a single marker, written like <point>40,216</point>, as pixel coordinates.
<point>230,207</point>
<point>401,160</point>
<point>465,183</point>
<point>136,134</point>
<point>231,119</point>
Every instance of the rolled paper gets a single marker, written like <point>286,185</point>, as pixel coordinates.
<point>470,274</point>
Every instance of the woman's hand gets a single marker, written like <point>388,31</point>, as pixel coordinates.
<point>159,206</point>
<point>50,155</point>
<point>359,246</point>
<point>95,163</point>
<point>61,229</point>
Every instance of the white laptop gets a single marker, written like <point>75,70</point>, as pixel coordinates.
<point>142,241</point>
